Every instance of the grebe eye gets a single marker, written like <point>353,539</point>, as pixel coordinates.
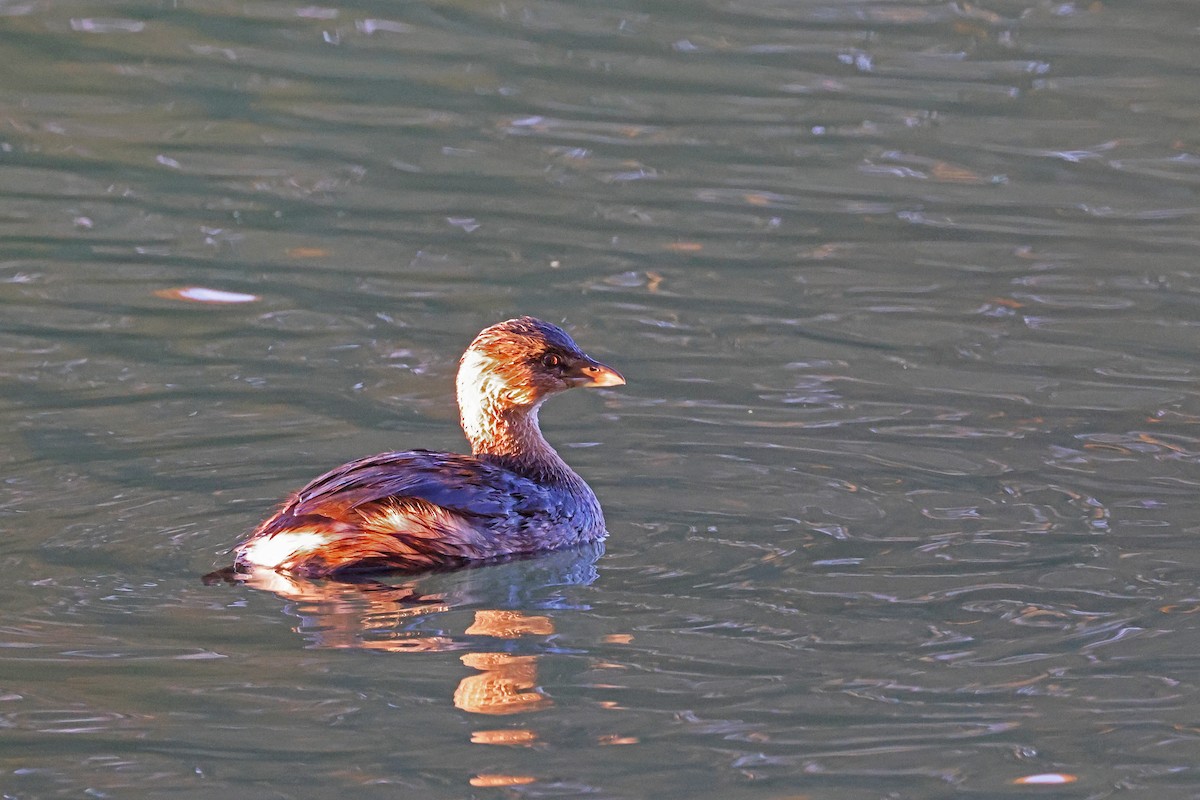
<point>551,360</point>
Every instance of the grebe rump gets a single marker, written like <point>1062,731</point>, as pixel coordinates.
<point>418,509</point>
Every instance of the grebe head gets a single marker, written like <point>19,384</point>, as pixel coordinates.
<point>505,375</point>
<point>520,362</point>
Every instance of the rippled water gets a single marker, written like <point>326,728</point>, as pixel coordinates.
<point>902,490</point>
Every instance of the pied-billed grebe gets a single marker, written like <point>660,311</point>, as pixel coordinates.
<point>419,510</point>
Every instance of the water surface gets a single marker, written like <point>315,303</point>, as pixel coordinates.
<point>901,492</point>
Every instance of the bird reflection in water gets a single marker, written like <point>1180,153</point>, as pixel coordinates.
<point>506,683</point>
<point>399,616</point>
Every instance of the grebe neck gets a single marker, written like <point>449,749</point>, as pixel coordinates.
<point>512,438</point>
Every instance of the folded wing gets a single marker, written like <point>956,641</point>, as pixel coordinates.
<point>411,510</point>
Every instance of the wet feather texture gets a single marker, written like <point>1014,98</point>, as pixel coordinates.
<point>418,509</point>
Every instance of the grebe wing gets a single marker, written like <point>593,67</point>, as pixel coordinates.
<point>457,483</point>
<point>412,510</point>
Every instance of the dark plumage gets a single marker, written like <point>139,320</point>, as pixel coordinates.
<point>417,509</point>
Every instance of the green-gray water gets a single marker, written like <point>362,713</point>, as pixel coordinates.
<point>902,491</point>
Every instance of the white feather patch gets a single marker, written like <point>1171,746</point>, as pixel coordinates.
<point>272,551</point>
